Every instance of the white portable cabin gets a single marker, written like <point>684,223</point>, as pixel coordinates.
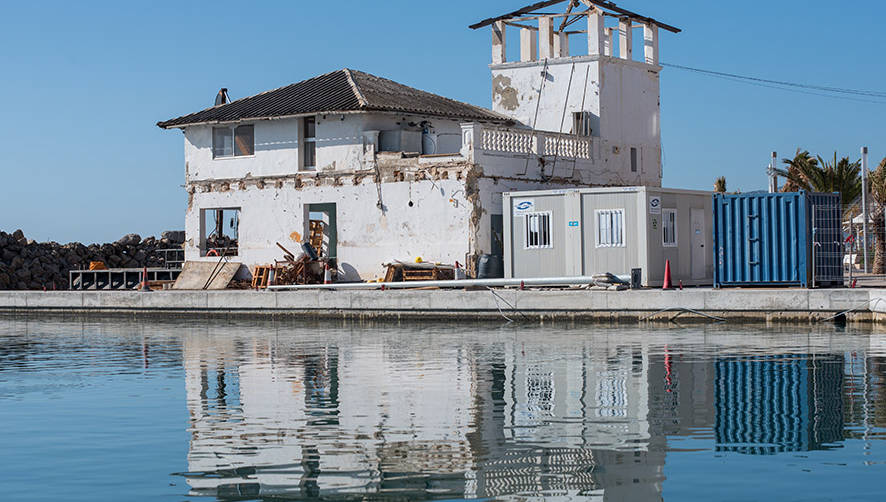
<point>585,231</point>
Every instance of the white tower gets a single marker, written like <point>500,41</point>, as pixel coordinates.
<point>603,91</point>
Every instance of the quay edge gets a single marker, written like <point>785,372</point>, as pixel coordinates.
<point>690,305</point>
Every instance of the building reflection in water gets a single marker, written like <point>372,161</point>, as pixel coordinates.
<point>390,415</point>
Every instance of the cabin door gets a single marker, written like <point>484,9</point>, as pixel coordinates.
<point>699,253</point>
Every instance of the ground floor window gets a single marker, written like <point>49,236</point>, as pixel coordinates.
<point>610,228</point>
<point>537,231</point>
<point>669,227</point>
<point>220,235</point>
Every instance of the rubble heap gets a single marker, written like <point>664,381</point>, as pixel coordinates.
<point>26,264</point>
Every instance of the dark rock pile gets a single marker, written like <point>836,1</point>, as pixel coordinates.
<point>25,264</point>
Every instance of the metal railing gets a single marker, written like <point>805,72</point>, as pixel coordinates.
<point>172,258</point>
<point>118,279</point>
<point>827,246</point>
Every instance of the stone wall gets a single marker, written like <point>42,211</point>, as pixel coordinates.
<point>26,264</point>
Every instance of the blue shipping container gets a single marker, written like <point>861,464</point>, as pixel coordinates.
<point>777,239</point>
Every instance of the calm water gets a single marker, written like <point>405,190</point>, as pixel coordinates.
<point>244,411</point>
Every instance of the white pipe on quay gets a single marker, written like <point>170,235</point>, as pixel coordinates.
<point>466,283</point>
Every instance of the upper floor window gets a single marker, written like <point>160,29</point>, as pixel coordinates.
<point>233,141</point>
<point>309,145</point>
<point>581,124</point>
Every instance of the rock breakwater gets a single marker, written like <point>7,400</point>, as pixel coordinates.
<point>26,264</point>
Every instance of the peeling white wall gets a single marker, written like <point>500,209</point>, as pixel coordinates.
<point>340,144</point>
<point>433,227</point>
<point>517,92</point>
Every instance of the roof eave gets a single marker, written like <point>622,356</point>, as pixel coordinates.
<point>166,124</point>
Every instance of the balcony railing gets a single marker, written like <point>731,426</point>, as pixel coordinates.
<point>478,140</point>
<point>508,140</point>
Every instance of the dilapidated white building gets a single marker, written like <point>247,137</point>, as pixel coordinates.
<point>392,172</point>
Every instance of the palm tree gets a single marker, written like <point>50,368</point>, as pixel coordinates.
<point>877,182</point>
<point>819,175</point>
<point>799,170</point>
<point>843,177</point>
<point>720,184</point>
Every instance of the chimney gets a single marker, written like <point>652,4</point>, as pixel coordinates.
<point>222,96</point>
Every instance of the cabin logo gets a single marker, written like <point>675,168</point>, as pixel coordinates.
<point>523,206</point>
<point>655,205</point>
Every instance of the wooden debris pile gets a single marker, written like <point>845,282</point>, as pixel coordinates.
<point>306,268</point>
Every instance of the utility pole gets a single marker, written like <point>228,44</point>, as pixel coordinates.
<point>864,205</point>
<point>773,178</point>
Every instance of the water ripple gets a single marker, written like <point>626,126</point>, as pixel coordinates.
<point>244,410</point>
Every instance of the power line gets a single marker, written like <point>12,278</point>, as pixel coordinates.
<point>824,91</point>
<point>843,90</point>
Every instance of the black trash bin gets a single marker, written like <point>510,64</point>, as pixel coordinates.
<point>490,266</point>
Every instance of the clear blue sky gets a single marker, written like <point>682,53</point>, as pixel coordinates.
<point>83,84</point>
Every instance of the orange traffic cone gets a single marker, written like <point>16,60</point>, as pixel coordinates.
<point>667,277</point>
<point>144,286</point>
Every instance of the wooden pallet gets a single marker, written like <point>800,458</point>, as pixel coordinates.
<point>261,275</point>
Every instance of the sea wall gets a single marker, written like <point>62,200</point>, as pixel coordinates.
<point>29,265</point>
<point>690,305</point>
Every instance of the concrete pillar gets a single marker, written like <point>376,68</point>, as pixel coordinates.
<point>528,45</point>
<point>546,37</point>
<point>773,178</point>
<point>625,39</point>
<point>471,135</point>
<point>370,142</point>
<point>610,35</point>
<point>596,33</point>
<point>370,148</point>
<point>499,43</point>
<point>864,206</point>
<point>561,45</point>
<point>650,43</point>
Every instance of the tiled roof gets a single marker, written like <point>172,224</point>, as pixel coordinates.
<point>339,91</point>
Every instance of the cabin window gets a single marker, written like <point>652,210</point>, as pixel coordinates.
<point>537,231</point>
<point>221,232</point>
<point>581,123</point>
<point>669,227</point>
<point>233,141</point>
<point>309,143</point>
<point>610,228</point>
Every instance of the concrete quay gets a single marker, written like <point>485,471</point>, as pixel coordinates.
<point>689,305</point>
